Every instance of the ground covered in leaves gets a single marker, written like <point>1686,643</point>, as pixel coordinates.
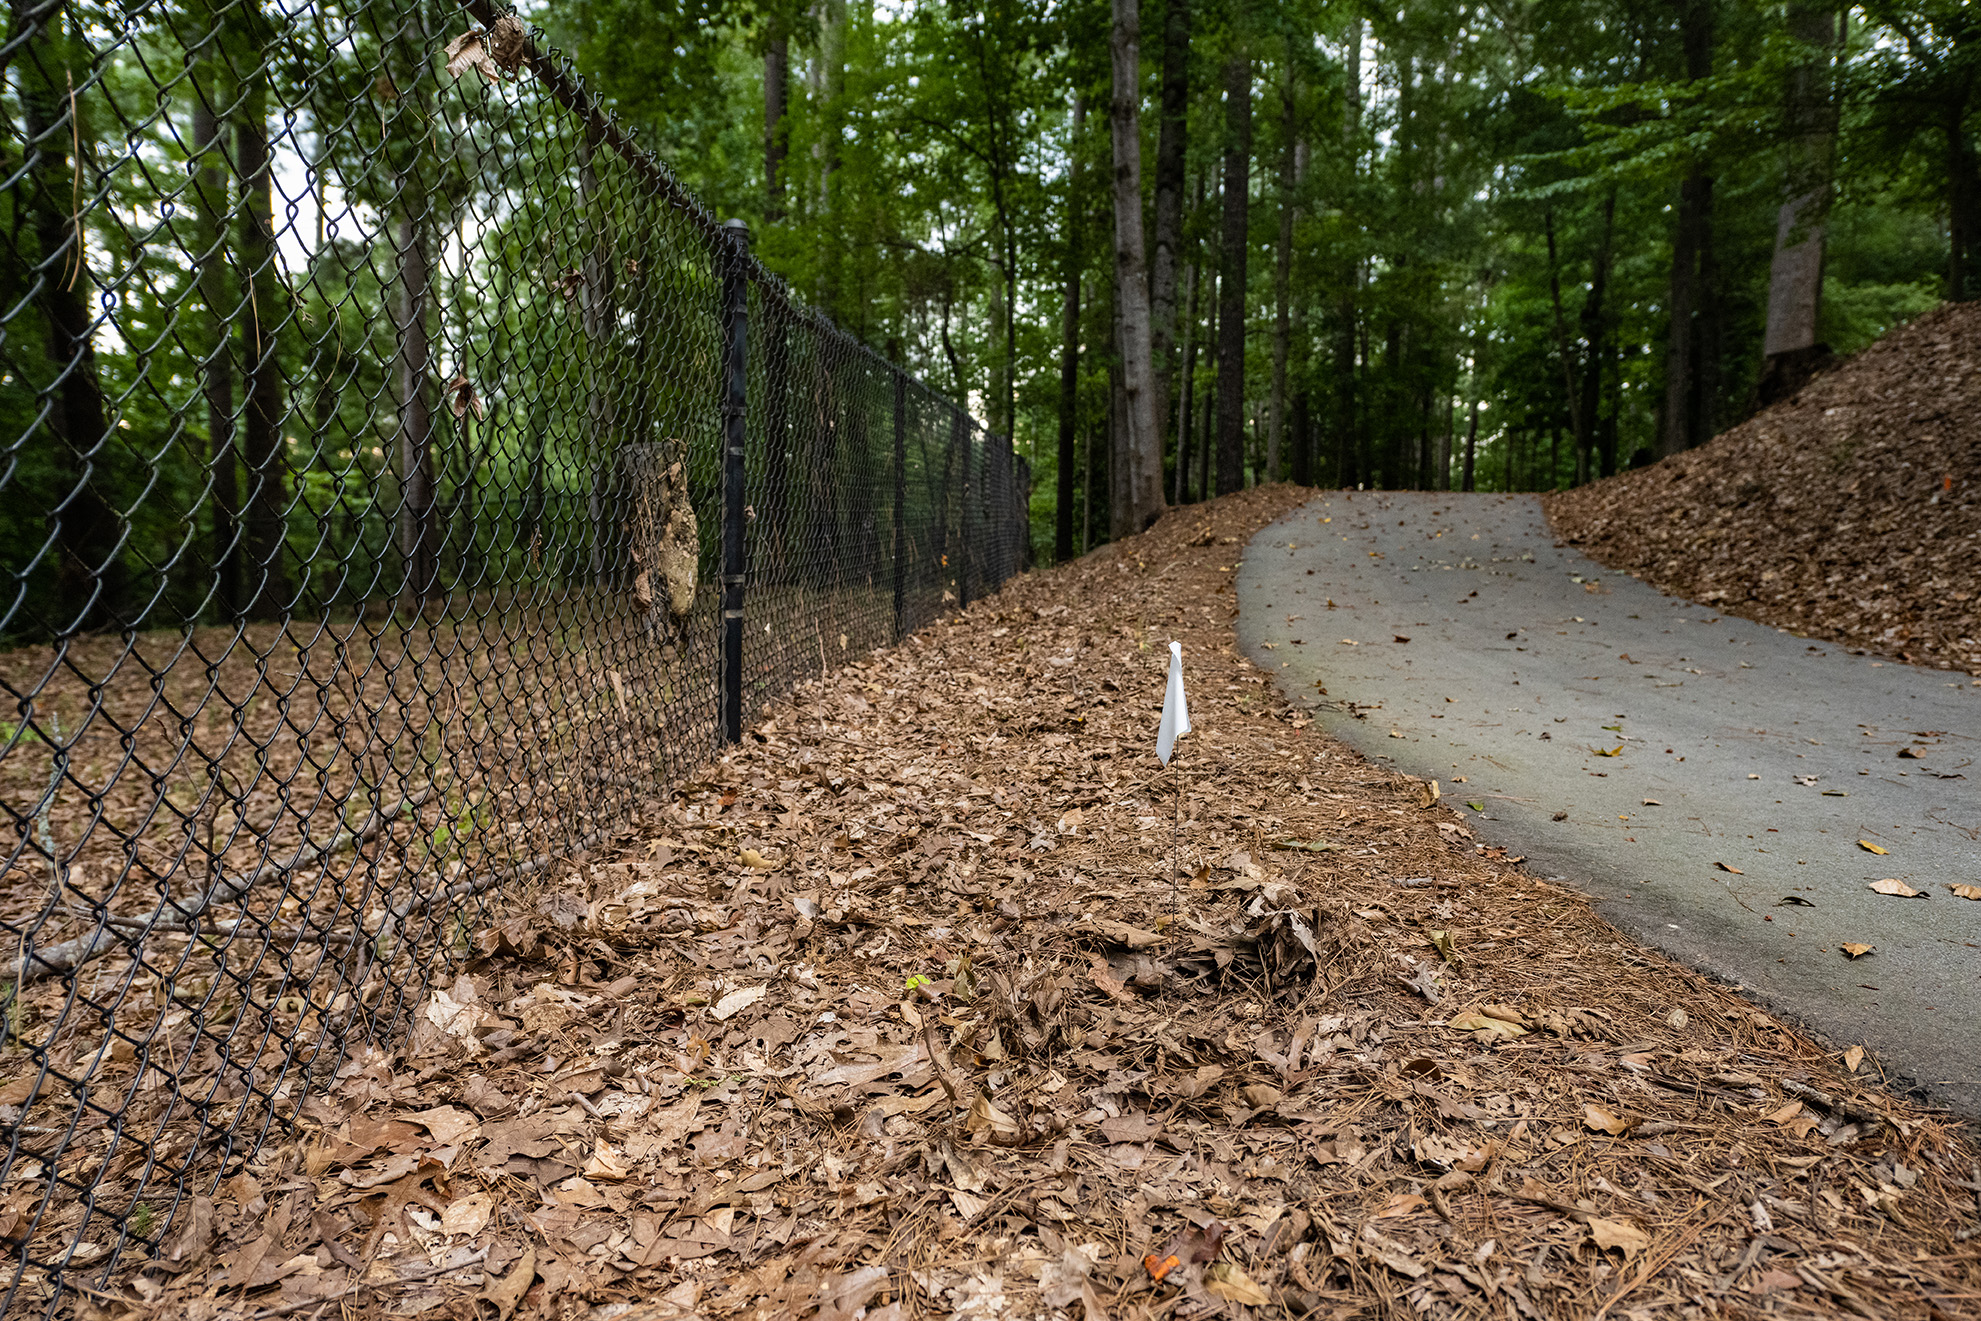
<point>1850,511</point>
<point>897,1011</point>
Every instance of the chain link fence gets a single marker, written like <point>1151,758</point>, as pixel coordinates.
<point>403,478</point>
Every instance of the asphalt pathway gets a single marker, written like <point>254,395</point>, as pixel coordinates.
<point>1716,775</point>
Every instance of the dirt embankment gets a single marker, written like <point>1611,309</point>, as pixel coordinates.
<point>1851,510</point>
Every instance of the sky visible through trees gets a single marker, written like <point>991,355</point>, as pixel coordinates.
<point>1513,245</point>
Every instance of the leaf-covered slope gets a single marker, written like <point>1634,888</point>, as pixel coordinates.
<point>1851,510</point>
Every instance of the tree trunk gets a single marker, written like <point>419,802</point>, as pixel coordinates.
<point>1706,336</point>
<point>261,431</point>
<point>1207,426</point>
<point>1563,349</point>
<point>1795,279</point>
<point>1138,444</point>
<point>1424,448</point>
<point>1117,464</point>
<point>1679,348</point>
<point>1606,436</point>
<point>1282,273</point>
<point>777,98</point>
<point>1171,142</point>
<point>413,274</point>
<point>999,405</point>
<point>1595,330</point>
<point>1087,490</point>
<point>1963,200</point>
<point>1232,258</point>
<point>416,487</point>
<point>828,87</point>
<point>1441,481</point>
<point>216,307</point>
<point>1389,395</point>
<point>89,574</point>
<point>1347,468</point>
<point>1689,242</point>
<point>1069,349</point>
<point>1303,449</point>
<point>1185,388</point>
<point>1471,444</point>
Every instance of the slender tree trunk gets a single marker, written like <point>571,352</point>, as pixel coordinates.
<point>1595,330</point>
<point>1117,466</point>
<point>1186,390</point>
<point>1679,347</point>
<point>1348,468</point>
<point>1167,238</point>
<point>1563,349</point>
<point>1441,481</point>
<point>1207,429</point>
<point>1138,447</point>
<point>1303,450</point>
<point>261,432</point>
<point>416,486</point>
<point>1706,338</point>
<point>1963,198</point>
<point>1689,240</point>
<point>1234,254</point>
<point>1087,489</point>
<point>216,308</point>
<point>1423,474</point>
<point>777,98</point>
<point>1389,394</point>
<point>1282,271</point>
<point>412,264</point>
<point>1471,444</point>
<point>1000,403</point>
<point>90,579</point>
<point>1795,280</point>
<point>1069,348</point>
<point>828,86</point>
<point>1607,437</point>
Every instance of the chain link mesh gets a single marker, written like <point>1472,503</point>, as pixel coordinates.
<point>362,509</point>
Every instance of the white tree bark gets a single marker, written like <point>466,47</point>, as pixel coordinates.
<point>1138,439</point>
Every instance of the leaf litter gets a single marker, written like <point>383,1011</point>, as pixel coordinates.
<point>960,1053</point>
<point>1846,511</point>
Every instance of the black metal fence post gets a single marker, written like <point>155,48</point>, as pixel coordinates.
<point>735,400</point>
<point>900,505</point>
<point>964,489</point>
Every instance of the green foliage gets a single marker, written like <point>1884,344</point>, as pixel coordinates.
<point>931,188</point>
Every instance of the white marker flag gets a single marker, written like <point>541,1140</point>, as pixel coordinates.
<point>1175,708</point>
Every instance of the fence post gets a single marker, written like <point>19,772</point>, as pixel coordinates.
<point>900,504</point>
<point>735,398</point>
<point>963,547</point>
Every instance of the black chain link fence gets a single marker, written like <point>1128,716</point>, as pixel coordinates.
<point>403,477</point>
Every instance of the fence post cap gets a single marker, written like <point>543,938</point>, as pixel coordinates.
<point>738,230</point>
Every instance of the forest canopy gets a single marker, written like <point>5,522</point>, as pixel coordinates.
<point>316,306</point>
<point>1506,245</point>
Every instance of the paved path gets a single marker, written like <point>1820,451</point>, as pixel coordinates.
<point>1526,663</point>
